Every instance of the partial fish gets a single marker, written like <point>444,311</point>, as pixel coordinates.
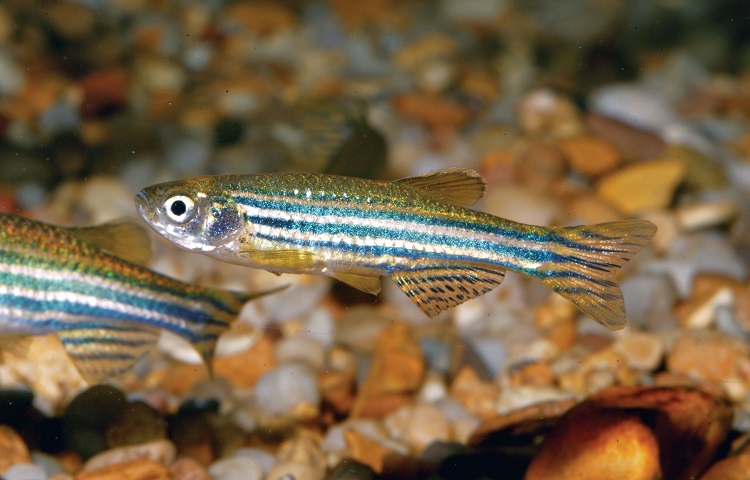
<point>82,284</point>
<point>417,230</point>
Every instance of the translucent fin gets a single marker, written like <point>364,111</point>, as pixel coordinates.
<point>17,345</point>
<point>459,186</point>
<point>590,257</point>
<point>102,349</point>
<point>365,283</point>
<point>436,289</point>
<point>125,238</point>
<point>277,260</point>
<point>228,306</point>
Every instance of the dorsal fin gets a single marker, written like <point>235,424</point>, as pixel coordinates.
<point>124,238</point>
<point>459,186</point>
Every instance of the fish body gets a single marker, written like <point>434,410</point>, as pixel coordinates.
<point>418,230</point>
<point>107,311</point>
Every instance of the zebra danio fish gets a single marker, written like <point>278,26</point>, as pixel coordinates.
<point>419,231</point>
<point>84,285</point>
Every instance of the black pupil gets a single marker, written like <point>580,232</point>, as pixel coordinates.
<point>178,207</point>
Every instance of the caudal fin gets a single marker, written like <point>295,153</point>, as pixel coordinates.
<point>225,308</point>
<point>587,259</point>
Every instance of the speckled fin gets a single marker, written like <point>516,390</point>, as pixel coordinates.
<point>365,283</point>
<point>279,260</point>
<point>436,289</point>
<point>102,350</point>
<point>124,238</point>
<point>459,186</point>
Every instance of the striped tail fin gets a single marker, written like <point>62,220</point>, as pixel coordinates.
<point>589,257</point>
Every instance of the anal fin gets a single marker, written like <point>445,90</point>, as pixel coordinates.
<point>365,283</point>
<point>279,260</point>
<point>102,349</point>
<point>435,289</point>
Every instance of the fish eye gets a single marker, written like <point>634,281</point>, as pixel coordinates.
<point>180,208</point>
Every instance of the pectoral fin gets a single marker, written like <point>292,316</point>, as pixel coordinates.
<point>124,238</point>
<point>276,260</point>
<point>438,288</point>
<point>365,283</point>
<point>102,349</point>
<point>459,186</point>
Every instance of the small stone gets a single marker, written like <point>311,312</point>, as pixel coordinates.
<point>589,155</point>
<point>701,172</point>
<point>337,390</point>
<point>642,350</point>
<point>366,450</point>
<point>712,357</point>
<point>418,426</point>
<point>596,444</point>
<point>476,396</point>
<point>25,471</point>
<point>13,450</point>
<point>245,368</point>
<point>397,367</point>
<point>632,142</point>
<point>162,451</point>
<point>72,20</point>
<point>132,470</point>
<point>286,387</point>
<point>589,209</point>
<point>545,113</point>
<point>236,468</point>
<point>349,469</point>
<point>522,204</point>
<point>736,467</point>
<point>300,349</point>
<point>540,167</point>
<point>433,111</point>
<point>642,187</point>
<point>261,18</point>
<point>706,215</point>
<point>538,373</point>
<point>426,48</point>
<point>701,312</point>
<point>633,105</point>
<point>138,424</point>
<point>186,468</point>
<point>295,470</point>
<point>104,92</point>
<point>359,328</point>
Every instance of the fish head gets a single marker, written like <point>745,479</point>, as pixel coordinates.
<point>191,214</point>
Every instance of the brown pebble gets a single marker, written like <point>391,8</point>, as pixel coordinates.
<point>186,468</point>
<point>476,396</point>
<point>736,467</point>
<point>537,373</point>
<point>397,368</point>
<point>337,390</point>
<point>13,450</point>
<point>365,450</point>
<point>712,357</point>
<point>162,451</point>
<point>633,143</point>
<point>590,156</point>
<point>590,209</point>
<point>132,470</point>
<point>104,91</point>
<point>245,368</point>
<point>642,187</point>
<point>701,172</point>
<point>433,111</point>
<point>262,18</point>
<point>642,350</point>
<point>541,166</point>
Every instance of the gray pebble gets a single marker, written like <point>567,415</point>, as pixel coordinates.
<point>286,386</point>
<point>25,471</point>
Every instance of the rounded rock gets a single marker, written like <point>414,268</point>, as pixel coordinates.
<point>283,388</point>
<point>236,468</point>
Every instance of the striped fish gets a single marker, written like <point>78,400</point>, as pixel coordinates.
<point>107,310</point>
<point>417,230</point>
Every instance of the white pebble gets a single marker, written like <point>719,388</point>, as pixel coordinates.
<point>236,468</point>
<point>285,387</point>
<point>296,471</point>
<point>633,105</point>
<point>302,350</point>
<point>264,459</point>
<point>320,326</point>
<point>25,471</point>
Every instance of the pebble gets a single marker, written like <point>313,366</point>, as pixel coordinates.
<point>642,350</point>
<point>13,450</point>
<point>418,425</point>
<point>349,469</point>
<point>545,113</point>
<point>706,215</point>
<point>295,470</point>
<point>474,394</point>
<point>397,368</point>
<point>589,155</point>
<point>632,105</point>
<point>244,369</point>
<point>264,459</point>
<point>521,204</point>
<point>305,350</point>
<point>633,143</point>
<point>186,468</point>
<point>712,357</point>
<point>139,423</point>
<point>236,468</point>
<point>642,187</point>
<point>25,471</point>
<point>287,387</point>
<point>736,467</point>
<point>162,451</point>
<point>131,470</point>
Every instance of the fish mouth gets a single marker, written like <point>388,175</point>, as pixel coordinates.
<point>141,201</point>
